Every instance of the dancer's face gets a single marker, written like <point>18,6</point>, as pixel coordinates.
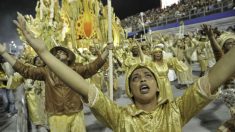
<point>229,44</point>
<point>61,55</point>
<point>135,51</point>
<point>143,85</point>
<point>157,55</point>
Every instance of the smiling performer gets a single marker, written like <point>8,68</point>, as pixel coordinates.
<point>149,111</point>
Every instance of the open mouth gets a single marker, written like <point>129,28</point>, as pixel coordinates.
<point>144,88</point>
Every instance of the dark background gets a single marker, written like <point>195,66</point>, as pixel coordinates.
<point>8,9</point>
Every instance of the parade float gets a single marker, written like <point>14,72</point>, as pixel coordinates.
<point>75,24</point>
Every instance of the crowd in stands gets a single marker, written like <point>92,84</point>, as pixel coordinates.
<point>184,10</point>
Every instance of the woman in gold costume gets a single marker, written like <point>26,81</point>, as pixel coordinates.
<point>161,66</point>
<point>149,112</point>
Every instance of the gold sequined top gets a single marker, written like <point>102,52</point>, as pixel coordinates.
<point>130,61</point>
<point>167,117</point>
<point>162,71</point>
<point>3,80</point>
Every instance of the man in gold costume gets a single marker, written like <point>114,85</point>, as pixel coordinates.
<point>135,58</point>
<point>203,55</point>
<point>63,105</point>
<point>149,111</point>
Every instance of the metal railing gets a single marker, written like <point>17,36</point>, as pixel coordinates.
<point>204,11</point>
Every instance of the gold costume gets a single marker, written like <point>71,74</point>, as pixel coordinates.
<point>203,54</point>
<point>3,79</point>
<point>202,58</point>
<point>35,97</point>
<point>15,81</point>
<point>162,71</point>
<point>67,123</point>
<point>184,77</point>
<point>130,61</point>
<point>167,117</point>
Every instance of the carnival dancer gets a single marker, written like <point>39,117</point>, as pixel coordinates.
<point>149,111</point>
<point>162,66</point>
<point>63,105</point>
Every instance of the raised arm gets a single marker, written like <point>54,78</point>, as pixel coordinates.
<point>218,53</point>
<point>27,71</point>
<point>70,77</point>
<point>140,51</point>
<point>222,70</point>
<point>92,68</point>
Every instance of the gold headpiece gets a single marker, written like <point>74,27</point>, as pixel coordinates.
<point>224,37</point>
<point>137,66</point>
<point>157,49</point>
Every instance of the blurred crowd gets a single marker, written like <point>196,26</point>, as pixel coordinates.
<point>184,10</point>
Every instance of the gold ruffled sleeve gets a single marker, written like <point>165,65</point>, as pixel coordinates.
<point>103,108</point>
<point>194,99</point>
<point>130,61</point>
<point>177,65</point>
<point>3,79</point>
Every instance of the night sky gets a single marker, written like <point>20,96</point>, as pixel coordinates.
<point>8,9</point>
<point>124,8</point>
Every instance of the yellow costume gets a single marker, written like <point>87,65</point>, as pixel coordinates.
<point>184,77</point>
<point>35,97</point>
<point>162,70</point>
<point>202,58</point>
<point>67,122</point>
<point>15,81</point>
<point>167,117</point>
<point>203,54</point>
<point>3,79</point>
<point>130,61</point>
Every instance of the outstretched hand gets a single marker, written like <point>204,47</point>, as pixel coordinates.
<point>208,30</point>
<point>106,50</point>
<point>37,44</point>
